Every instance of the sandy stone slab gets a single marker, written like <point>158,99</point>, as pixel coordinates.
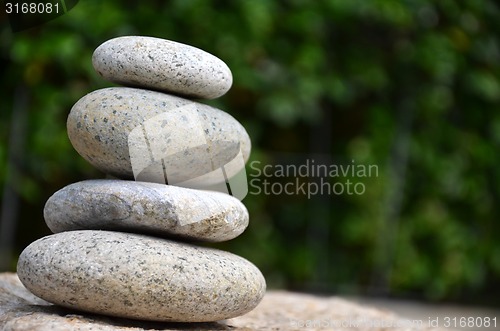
<point>279,311</point>
<point>159,64</point>
<point>156,209</point>
<point>130,133</point>
<point>140,277</point>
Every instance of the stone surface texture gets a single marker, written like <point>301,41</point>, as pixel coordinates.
<point>140,277</point>
<point>141,207</point>
<point>164,65</point>
<point>280,311</point>
<point>122,131</point>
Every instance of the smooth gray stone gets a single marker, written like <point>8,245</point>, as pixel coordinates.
<point>160,210</point>
<point>129,133</point>
<point>164,65</point>
<point>139,277</point>
<point>278,311</point>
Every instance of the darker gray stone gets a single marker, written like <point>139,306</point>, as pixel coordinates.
<point>156,209</point>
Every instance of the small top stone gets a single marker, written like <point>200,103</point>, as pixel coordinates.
<point>163,65</point>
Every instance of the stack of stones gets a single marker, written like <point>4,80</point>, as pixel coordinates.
<point>122,245</point>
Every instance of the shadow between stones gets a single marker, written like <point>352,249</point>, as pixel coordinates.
<point>96,319</point>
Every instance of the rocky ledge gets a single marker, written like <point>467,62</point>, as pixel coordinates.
<point>21,310</point>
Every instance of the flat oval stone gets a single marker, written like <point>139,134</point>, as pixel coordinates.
<point>164,65</point>
<point>156,209</point>
<point>139,277</point>
<point>127,132</point>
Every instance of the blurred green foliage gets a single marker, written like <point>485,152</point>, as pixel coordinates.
<point>412,86</point>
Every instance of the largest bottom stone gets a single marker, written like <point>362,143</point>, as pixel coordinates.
<point>140,277</point>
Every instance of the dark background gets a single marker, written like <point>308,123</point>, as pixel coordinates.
<point>411,86</point>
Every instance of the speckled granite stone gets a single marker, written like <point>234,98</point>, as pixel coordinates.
<point>279,311</point>
<point>182,138</point>
<point>157,209</point>
<point>164,65</point>
<point>139,277</point>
